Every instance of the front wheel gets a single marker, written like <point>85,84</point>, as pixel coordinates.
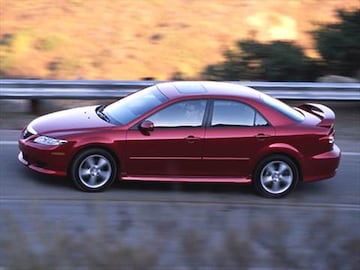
<point>275,176</point>
<point>93,170</point>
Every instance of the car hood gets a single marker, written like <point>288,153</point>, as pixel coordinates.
<point>68,120</point>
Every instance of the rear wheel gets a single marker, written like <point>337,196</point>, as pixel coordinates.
<point>93,170</point>
<point>276,176</point>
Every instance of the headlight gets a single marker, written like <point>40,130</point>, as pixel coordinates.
<point>30,129</point>
<point>49,141</point>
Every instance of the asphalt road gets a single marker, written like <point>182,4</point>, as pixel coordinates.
<point>177,226</point>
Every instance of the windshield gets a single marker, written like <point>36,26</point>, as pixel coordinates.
<point>129,108</point>
<point>283,108</point>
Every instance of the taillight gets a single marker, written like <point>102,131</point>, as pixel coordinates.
<point>328,139</point>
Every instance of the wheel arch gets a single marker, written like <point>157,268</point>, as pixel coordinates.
<point>95,146</point>
<point>283,150</point>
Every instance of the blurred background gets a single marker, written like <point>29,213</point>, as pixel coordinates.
<point>267,40</point>
<point>47,224</point>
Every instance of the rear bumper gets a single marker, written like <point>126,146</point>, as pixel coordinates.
<point>322,166</point>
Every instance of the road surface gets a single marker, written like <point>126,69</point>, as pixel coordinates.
<point>140,225</point>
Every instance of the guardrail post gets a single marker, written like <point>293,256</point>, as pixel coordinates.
<point>35,106</point>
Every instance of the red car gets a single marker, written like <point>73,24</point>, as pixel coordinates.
<point>186,131</point>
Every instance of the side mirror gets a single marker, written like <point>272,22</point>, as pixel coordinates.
<point>146,127</point>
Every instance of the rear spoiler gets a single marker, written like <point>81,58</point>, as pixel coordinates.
<point>326,114</point>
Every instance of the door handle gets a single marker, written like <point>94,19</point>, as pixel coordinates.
<point>192,139</point>
<point>262,136</point>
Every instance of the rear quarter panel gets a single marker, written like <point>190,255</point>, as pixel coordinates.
<point>298,141</point>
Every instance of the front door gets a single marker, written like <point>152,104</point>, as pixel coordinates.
<point>174,147</point>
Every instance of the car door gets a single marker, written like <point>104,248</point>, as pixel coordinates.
<point>235,132</point>
<point>174,146</point>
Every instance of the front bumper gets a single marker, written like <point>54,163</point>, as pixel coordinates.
<point>43,159</point>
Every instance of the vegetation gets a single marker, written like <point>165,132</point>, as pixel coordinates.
<point>150,39</point>
<point>276,61</point>
<point>322,243</point>
<point>338,44</point>
<point>13,47</point>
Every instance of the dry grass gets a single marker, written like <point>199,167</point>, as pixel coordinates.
<point>128,39</point>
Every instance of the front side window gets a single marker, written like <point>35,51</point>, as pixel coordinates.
<point>234,113</point>
<point>188,113</point>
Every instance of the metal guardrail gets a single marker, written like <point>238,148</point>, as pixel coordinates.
<point>88,89</point>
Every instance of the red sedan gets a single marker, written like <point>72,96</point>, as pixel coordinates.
<point>186,131</point>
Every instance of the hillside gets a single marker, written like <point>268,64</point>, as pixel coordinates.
<point>133,39</point>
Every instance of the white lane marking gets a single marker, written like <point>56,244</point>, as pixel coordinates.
<point>350,153</point>
<point>8,142</point>
<point>343,153</point>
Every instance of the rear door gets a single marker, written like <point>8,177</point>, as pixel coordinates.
<point>235,133</point>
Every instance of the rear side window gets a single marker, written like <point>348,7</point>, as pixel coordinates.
<point>283,108</point>
<point>234,113</point>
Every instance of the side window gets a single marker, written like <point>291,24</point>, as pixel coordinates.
<point>234,113</point>
<point>188,113</point>
<point>260,121</point>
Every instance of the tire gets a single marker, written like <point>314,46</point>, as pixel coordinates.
<point>93,170</point>
<point>275,176</point>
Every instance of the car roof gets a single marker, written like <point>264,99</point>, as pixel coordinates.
<point>206,88</point>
